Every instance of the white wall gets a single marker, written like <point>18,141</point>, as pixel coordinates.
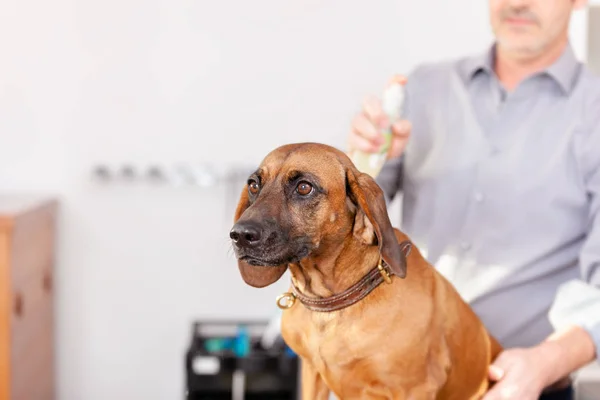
<point>171,81</point>
<point>594,38</point>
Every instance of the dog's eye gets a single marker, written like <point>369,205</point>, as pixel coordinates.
<point>253,187</point>
<point>304,188</point>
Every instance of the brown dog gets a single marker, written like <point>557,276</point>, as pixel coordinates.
<point>369,318</point>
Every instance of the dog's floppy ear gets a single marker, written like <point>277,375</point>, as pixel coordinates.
<point>366,194</point>
<point>255,276</point>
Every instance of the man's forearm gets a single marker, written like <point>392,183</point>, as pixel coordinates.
<point>566,351</point>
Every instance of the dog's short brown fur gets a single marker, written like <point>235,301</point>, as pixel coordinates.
<point>412,339</point>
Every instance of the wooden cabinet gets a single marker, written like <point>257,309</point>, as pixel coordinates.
<point>27,249</point>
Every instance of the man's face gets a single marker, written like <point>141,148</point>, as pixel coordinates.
<point>529,27</point>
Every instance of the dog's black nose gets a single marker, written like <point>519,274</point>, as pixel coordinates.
<point>246,234</point>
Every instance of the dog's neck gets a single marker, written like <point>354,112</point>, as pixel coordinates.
<point>333,273</point>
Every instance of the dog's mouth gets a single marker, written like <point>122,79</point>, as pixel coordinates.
<point>272,259</point>
<point>254,261</point>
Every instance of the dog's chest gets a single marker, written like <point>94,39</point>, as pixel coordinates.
<point>354,355</point>
<point>346,354</point>
<point>324,338</point>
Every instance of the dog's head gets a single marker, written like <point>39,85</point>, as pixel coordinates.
<point>302,201</point>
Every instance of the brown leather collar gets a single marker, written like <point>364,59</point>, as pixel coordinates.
<point>381,273</point>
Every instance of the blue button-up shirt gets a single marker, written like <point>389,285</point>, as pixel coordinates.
<point>501,192</point>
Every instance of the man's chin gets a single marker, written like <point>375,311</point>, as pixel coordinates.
<point>521,46</point>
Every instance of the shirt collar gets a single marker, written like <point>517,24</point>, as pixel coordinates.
<point>564,70</point>
<point>483,62</point>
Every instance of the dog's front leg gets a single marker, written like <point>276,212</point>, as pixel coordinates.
<point>312,384</point>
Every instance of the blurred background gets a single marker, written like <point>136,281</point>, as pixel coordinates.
<point>143,118</point>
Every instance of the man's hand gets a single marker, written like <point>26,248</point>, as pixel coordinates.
<point>366,133</point>
<point>520,375</point>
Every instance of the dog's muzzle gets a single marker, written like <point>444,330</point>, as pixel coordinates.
<point>265,243</point>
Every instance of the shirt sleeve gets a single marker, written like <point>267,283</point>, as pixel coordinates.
<point>578,302</point>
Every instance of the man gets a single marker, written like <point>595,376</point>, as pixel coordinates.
<point>498,161</point>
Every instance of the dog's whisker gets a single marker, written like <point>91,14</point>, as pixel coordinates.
<point>231,251</point>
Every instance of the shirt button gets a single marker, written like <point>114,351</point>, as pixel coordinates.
<point>465,246</point>
<point>494,151</point>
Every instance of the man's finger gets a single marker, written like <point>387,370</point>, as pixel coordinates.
<point>362,126</point>
<point>357,142</point>
<point>399,78</point>
<point>402,128</point>
<point>495,373</point>
<point>397,147</point>
<point>494,394</point>
<point>503,391</point>
<point>374,112</point>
